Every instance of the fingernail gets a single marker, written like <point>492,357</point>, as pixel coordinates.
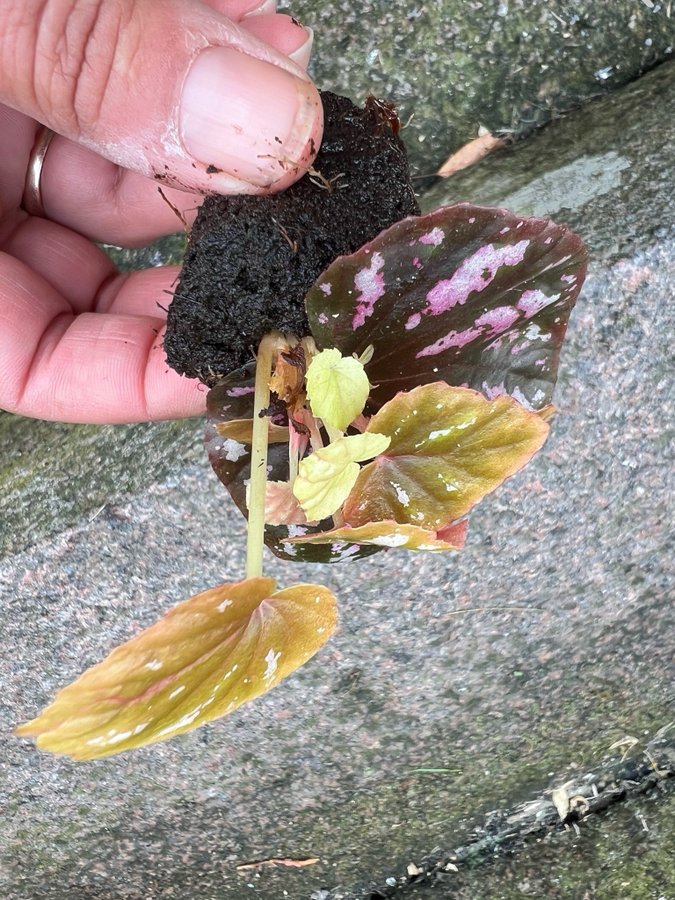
<point>302,53</point>
<point>245,117</point>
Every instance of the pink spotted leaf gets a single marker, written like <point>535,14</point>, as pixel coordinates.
<point>468,295</point>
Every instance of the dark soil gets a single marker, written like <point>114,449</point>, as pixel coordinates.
<point>251,260</point>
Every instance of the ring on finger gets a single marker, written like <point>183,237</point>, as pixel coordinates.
<point>32,192</point>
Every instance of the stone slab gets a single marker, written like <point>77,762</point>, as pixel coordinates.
<point>508,65</point>
<point>454,686</point>
<point>607,171</point>
<point>53,475</point>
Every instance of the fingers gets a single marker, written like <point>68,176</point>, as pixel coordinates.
<point>55,253</point>
<point>240,9</point>
<point>86,192</point>
<point>93,196</point>
<point>93,367</point>
<point>284,33</point>
<point>172,90</point>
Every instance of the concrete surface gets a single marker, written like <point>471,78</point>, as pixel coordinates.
<point>455,685</point>
<point>509,65</point>
<point>607,171</point>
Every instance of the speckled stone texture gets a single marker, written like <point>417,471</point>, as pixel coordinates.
<point>617,193</point>
<point>455,685</point>
<point>509,65</point>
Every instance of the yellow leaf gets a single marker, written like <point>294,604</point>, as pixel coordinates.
<point>241,430</point>
<point>206,657</point>
<point>327,475</point>
<point>337,387</point>
<point>450,447</point>
<point>391,534</point>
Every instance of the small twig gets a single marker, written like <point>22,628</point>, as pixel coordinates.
<point>315,176</point>
<point>472,609</point>
<point>97,513</point>
<point>627,742</point>
<point>425,771</point>
<point>279,861</point>
<point>284,233</point>
<point>177,212</point>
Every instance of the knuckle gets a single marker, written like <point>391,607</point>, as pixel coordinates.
<point>77,57</point>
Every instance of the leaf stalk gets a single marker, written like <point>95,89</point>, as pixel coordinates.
<point>255,538</point>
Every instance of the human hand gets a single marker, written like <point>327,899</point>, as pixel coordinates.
<point>136,90</point>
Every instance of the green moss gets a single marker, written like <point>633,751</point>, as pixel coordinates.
<point>459,64</point>
<point>54,475</point>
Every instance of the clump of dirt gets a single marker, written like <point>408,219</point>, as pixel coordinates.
<point>251,260</point>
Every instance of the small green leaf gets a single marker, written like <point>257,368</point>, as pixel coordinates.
<point>392,534</point>
<point>206,657</point>
<point>449,448</point>
<point>231,400</point>
<point>337,387</point>
<point>327,475</point>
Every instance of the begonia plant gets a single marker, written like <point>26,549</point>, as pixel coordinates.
<point>425,382</point>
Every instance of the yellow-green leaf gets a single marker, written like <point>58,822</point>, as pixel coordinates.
<point>327,475</point>
<point>206,657</point>
<point>449,448</point>
<point>337,387</point>
<point>391,534</point>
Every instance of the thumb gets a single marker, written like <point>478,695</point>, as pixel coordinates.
<point>172,90</point>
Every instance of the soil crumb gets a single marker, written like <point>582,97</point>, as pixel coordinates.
<point>251,260</point>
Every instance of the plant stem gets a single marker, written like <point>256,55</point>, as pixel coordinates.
<point>260,439</point>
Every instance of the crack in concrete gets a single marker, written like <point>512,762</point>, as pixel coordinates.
<point>503,831</point>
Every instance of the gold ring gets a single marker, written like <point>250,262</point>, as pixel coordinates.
<point>32,194</point>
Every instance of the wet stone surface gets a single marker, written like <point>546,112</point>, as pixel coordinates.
<point>39,495</point>
<point>508,65</point>
<point>608,171</point>
<point>455,685</point>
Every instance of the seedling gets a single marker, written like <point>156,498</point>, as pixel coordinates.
<point>425,382</point>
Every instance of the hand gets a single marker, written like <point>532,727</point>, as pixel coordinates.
<point>140,93</point>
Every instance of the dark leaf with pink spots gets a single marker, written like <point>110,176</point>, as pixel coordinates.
<point>471,296</point>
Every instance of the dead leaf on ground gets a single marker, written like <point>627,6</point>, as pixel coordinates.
<point>561,801</point>
<point>470,153</point>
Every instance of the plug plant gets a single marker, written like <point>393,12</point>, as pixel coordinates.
<point>425,382</point>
